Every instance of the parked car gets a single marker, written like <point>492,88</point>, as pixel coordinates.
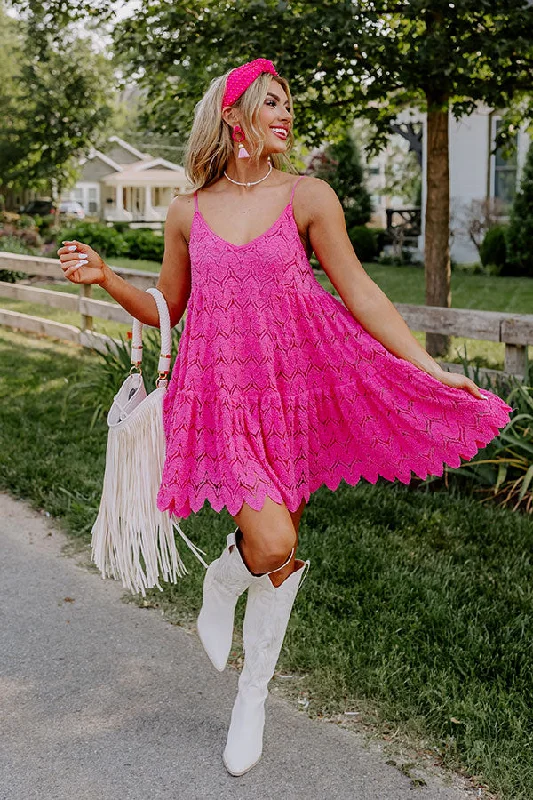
<point>71,210</point>
<point>40,207</point>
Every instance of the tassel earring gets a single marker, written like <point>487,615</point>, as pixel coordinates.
<point>238,136</point>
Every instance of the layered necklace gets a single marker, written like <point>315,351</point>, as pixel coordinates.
<point>250,183</point>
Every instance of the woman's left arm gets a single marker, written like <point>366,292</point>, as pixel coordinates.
<point>361,295</point>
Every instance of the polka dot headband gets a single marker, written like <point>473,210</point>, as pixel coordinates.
<point>242,77</point>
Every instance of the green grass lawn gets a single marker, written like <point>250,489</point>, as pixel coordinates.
<point>417,610</point>
<point>484,293</point>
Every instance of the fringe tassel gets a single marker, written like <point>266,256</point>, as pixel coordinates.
<point>195,549</point>
<point>129,524</point>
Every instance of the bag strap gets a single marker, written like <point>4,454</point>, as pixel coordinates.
<point>166,337</point>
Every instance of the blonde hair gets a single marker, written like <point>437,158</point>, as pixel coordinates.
<point>210,145</point>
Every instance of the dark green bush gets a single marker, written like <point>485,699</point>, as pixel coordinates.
<point>382,238</point>
<point>493,249</point>
<point>364,242</point>
<point>106,241</point>
<point>121,225</point>
<point>144,244</point>
<point>26,221</point>
<point>118,240</point>
<point>520,231</point>
<point>45,225</point>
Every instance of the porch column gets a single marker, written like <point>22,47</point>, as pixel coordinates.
<point>119,200</point>
<point>149,210</point>
<point>120,212</point>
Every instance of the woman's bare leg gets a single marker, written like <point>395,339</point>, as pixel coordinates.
<point>268,535</point>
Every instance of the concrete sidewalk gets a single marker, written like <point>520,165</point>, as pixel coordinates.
<point>101,699</point>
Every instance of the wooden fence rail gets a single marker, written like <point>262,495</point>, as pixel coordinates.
<point>514,330</point>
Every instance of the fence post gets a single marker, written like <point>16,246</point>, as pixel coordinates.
<point>86,292</point>
<point>516,360</point>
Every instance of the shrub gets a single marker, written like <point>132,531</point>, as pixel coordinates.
<point>364,242</point>
<point>382,238</point>
<point>106,241</point>
<point>45,226</point>
<point>340,165</point>
<point>520,231</point>
<point>21,232</point>
<point>26,221</point>
<point>493,249</point>
<point>145,244</point>
<point>502,471</point>
<point>112,365</point>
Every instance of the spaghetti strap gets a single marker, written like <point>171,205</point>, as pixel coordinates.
<point>196,200</point>
<point>295,184</point>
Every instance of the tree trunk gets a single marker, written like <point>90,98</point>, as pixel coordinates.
<point>437,222</point>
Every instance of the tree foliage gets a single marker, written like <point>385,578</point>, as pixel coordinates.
<point>340,165</point>
<point>56,105</point>
<point>369,58</point>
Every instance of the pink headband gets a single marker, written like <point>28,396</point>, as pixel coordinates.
<point>242,77</point>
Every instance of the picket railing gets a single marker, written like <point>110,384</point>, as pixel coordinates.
<point>514,330</point>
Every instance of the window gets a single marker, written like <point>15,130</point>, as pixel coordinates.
<point>504,174</point>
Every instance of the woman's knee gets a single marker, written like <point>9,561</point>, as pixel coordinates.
<point>264,554</point>
<point>268,535</point>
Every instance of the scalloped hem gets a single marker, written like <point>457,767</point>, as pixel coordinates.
<point>369,472</point>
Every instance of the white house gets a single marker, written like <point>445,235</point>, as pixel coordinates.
<point>126,184</point>
<point>476,174</point>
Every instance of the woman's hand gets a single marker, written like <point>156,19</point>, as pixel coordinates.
<point>80,263</point>
<point>457,381</point>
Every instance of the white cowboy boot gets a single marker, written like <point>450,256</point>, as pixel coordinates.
<point>226,579</point>
<point>268,609</point>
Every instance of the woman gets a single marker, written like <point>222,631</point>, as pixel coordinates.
<point>278,386</point>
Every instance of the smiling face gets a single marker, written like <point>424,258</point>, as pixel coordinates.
<point>275,118</point>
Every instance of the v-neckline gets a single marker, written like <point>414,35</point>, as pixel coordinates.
<point>246,244</point>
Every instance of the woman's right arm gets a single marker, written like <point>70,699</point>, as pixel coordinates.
<point>174,280</point>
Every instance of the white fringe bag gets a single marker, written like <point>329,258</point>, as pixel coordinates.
<point>131,539</point>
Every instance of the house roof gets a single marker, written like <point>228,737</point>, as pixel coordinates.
<point>130,148</point>
<point>148,171</point>
<point>94,153</point>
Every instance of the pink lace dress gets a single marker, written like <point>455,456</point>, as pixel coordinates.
<point>278,389</point>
